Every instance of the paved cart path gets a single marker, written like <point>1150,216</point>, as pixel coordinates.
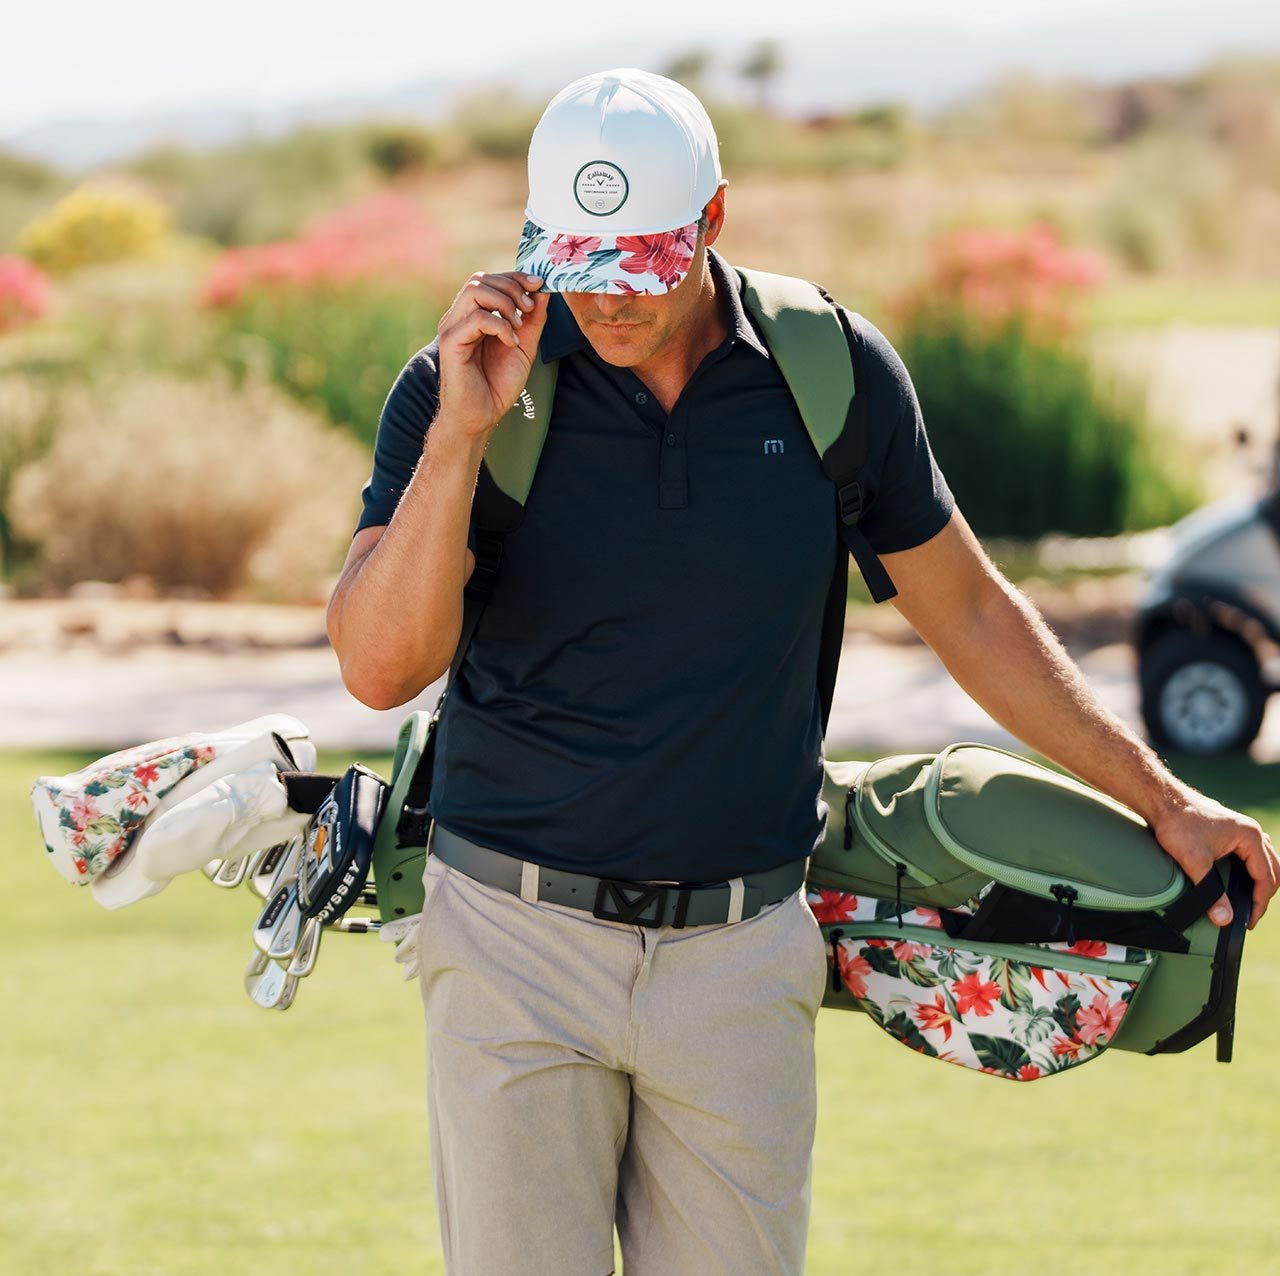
<point>891,695</point>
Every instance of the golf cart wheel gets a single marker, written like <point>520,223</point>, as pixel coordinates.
<point>1201,693</point>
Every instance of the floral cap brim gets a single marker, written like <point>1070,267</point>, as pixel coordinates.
<point>626,264</point>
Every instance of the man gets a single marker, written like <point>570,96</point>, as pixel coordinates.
<point>652,636</point>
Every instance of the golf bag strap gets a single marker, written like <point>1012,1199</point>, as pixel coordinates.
<point>845,463</point>
<point>1194,902</point>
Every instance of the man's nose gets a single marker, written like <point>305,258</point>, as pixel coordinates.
<point>608,304</point>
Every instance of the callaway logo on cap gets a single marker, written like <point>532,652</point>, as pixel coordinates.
<point>621,165</point>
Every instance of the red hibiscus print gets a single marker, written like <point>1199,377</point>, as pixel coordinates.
<point>877,943</point>
<point>1028,1072</point>
<point>852,970</point>
<point>566,250</point>
<point>905,950</point>
<point>834,906</point>
<point>1068,1047</point>
<point>1089,948</point>
<point>147,774</point>
<point>973,993</point>
<point>83,812</point>
<point>139,797</point>
<point>82,866</point>
<point>928,917</point>
<point>204,753</point>
<point>1100,1019</point>
<point>668,256</point>
<point>622,286</point>
<point>933,1014</point>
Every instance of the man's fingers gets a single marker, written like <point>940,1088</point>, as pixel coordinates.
<point>480,324</point>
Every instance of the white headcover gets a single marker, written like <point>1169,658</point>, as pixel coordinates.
<point>131,821</point>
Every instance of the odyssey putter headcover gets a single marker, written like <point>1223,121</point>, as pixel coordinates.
<point>133,820</point>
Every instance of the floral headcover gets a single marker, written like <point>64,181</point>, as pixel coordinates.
<point>90,817</point>
<point>638,265</point>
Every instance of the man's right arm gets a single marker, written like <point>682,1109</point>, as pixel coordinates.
<point>395,615</point>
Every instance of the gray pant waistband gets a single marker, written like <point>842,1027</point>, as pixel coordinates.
<point>635,903</point>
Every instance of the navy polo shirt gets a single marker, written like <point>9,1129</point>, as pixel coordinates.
<point>640,697</point>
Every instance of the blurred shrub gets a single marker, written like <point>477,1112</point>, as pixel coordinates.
<point>192,483</point>
<point>334,315</point>
<point>92,224</point>
<point>494,122</point>
<point>1172,202</point>
<point>24,292</point>
<point>338,348</point>
<point>259,189</point>
<point>1029,440</point>
<point>27,420</point>
<point>399,148</point>
<point>873,139</point>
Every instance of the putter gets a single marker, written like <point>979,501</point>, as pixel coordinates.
<point>304,960</point>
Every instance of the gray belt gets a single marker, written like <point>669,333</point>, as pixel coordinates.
<point>636,903</point>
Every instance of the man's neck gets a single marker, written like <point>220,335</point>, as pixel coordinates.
<point>706,327</point>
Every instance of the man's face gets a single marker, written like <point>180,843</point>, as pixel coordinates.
<point>625,330</point>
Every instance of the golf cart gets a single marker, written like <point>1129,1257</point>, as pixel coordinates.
<point>1209,629</point>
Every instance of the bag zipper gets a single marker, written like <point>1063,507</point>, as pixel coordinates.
<point>1028,880</point>
<point>886,852</point>
<point>1026,953</point>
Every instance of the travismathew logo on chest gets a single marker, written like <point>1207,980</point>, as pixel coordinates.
<point>600,188</point>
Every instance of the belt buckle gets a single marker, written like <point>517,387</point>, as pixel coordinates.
<point>631,902</point>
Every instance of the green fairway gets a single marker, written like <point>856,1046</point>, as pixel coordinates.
<point>156,1123</point>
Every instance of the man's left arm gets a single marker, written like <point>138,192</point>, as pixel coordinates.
<point>998,647</point>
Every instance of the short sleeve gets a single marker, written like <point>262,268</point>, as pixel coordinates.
<point>912,500</point>
<point>409,409</point>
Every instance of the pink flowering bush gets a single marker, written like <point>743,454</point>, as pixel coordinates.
<point>24,292</point>
<point>333,315</point>
<point>382,237</point>
<point>1028,439</point>
<point>997,278</point>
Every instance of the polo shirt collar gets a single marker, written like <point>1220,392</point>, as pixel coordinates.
<point>561,334</point>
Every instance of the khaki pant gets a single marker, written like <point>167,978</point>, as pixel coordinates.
<point>583,1071</point>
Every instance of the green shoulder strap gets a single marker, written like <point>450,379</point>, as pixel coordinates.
<point>810,349</point>
<point>515,445</point>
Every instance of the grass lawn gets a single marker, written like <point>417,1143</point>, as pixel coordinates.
<point>156,1123</point>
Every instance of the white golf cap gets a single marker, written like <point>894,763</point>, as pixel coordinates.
<point>621,165</point>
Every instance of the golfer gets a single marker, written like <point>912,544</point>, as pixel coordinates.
<point>639,704</point>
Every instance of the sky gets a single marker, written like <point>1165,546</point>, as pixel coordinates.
<point>76,58</point>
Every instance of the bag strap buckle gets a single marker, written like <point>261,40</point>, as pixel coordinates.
<point>849,501</point>
<point>411,830</point>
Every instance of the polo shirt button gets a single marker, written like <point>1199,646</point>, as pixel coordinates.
<point>671,440</point>
<point>642,398</point>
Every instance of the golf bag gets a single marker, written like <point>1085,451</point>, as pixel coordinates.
<point>989,911</point>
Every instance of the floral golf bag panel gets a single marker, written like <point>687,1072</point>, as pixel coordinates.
<point>988,911</point>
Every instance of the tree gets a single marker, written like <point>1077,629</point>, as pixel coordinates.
<point>688,67</point>
<point>760,66</point>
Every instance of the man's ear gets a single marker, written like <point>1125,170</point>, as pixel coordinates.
<point>714,211</point>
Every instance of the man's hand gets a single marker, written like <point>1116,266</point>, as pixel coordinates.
<point>1197,830</point>
<point>485,357</point>
<point>999,649</point>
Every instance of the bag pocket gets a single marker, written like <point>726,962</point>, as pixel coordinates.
<point>995,1008</point>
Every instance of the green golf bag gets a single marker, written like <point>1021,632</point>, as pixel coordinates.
<point>990,911</point>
